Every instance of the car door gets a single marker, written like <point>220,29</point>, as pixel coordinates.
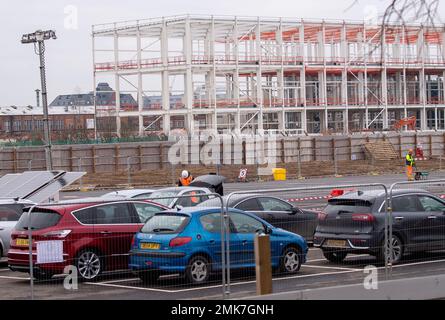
<point>245,228</point>
<point>410,220</point>
<point>211,226</point>
<point>284,215</point>
<point>115,226</point>
<point>433,226</point>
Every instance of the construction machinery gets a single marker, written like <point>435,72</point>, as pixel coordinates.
<point>410,122</point>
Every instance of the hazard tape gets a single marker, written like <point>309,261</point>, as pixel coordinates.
<point>325,197</point>
<point>307,198</point>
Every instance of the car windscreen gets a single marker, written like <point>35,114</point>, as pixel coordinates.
<point>165,223</point>
<point>40,219</point>
<point>348,206</point>
<point>10,212</point>
<point>161,194</point>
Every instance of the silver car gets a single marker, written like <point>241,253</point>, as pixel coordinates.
<point>128,194</point>
<point>10,212</point>
<point>172,197</point>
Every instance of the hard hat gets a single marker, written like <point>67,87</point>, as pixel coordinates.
<point>184,174</point>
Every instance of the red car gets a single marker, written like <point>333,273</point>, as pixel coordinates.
<point>96,235</point>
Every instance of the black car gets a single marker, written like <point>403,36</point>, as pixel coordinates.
<point>276,211</point>
<point>355,223</point>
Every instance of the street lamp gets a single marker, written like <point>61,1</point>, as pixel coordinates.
<point>39,37</point>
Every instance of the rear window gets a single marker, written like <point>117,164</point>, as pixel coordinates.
<point>165,223</point>
<point>348,206</point>
<point>39,220</point>
<point>10,212</point>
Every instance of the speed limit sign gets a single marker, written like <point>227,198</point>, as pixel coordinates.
<point>242,174</point>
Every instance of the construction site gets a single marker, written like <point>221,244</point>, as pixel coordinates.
<point>271,75</point>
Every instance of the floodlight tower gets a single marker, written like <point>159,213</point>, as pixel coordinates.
<point>39,37</point>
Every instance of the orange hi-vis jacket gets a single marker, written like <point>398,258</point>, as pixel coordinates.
<point>186,181</point>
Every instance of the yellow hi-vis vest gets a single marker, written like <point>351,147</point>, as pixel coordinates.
<point>409,160</point>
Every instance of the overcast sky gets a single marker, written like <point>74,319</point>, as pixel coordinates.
<point>69,58</point>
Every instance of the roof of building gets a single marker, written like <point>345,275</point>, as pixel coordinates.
<point>33,110</point>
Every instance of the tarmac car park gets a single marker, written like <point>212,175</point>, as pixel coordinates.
<point>316,272</point>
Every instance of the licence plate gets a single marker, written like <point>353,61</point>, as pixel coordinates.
<point>22,242</point>
<point>336,243</point>
<point>150,245</point>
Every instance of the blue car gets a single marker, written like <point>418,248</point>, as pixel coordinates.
<point>188,241</point>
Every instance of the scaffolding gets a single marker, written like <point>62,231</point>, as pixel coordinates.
<point>272,74</point>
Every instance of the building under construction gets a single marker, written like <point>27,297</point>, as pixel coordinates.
<point>271,75</point>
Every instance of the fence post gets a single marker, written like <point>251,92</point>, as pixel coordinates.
<point>29,164</point>
<point>93,152</point>
<point>335,163</point>
<point>129,170</point>
<point>14,160</point>
<point>262,264</point>
<point>299,164</point>
<point>80,169</point>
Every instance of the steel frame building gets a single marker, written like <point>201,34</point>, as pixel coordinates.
<point>273,74</point>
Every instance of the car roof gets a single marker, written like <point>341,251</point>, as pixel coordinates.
<point>237,197</point>
<point>74,204</point>
<point>127,192</point>
<point>369,195</point>
<point>191,211</point>
<point>181,189</point>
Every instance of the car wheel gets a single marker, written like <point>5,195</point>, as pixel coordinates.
<point>335,256</point>
<point>397,250</point>
<point>291,260</point>
<point>148,277</point>
<point>198,270</point>
<point>89,264</point>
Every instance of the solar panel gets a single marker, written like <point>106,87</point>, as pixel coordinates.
<point>48,191</point>
<point>8,178</point>
<point>27,183</point>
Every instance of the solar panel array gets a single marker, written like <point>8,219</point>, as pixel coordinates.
<point>36,186</point>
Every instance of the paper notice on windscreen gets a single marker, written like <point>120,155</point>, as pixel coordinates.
<point>49,251</point>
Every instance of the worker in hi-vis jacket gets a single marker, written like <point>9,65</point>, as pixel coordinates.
<point>410,163</point>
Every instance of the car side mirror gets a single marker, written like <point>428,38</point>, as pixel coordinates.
<point>268,230</point>
<point>295,210</point>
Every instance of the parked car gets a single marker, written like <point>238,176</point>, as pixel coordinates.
<point>10,212</point>
<point>172,196</point>
<point>128,194</point>
<point>355,223</point>
<point>188,242</point>
<point>276,211</point>
<point>96,235</point>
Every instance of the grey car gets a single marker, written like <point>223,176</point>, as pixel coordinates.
<point>274,210</point>
<point>355,223</point>
<point>10,212</point>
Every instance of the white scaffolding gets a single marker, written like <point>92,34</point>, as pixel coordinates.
<point>273,74</point>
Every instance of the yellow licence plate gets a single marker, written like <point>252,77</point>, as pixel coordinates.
<point>150,245</point>
<point>336,243</point>
<point>22,242</point>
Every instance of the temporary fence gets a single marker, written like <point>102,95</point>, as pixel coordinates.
<point>336,236</point>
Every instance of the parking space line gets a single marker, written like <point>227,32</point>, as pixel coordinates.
<point>129,287</point>
<point>327,267</point>
<point>4,270</point>
<point>14,278</point>
<point>219,286</point>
